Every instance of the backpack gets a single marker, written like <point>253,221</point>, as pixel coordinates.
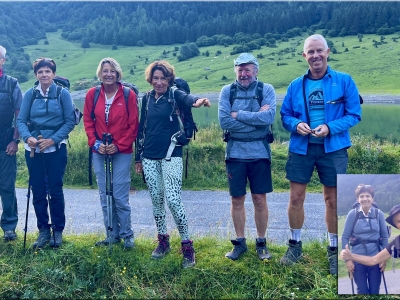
<point>9,85</point>
<point>62,83</point>
<point>259,96</point>
<point>126,85</point>
<point>360,215</point>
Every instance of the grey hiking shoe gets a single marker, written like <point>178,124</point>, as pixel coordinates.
<point>9,235</point>
<point>108,241</point>
<point>333,260</point>
<point>43,238</point>
<point>187,250</point>
<point>239,247</point>
<point>129,242</point>
<point>261,248</point>
<point>293,253</point>
<point>56,239</point>
<point>163,246</point>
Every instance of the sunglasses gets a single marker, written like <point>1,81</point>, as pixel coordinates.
<point>44,59</point>
<point>364,185</point>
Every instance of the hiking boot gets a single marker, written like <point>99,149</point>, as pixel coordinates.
<point>333,260</point>
<point>163,246</point>
<point>108,241</point>
<point>261,248</point>
<point>9,235</point>
<point>293,253</point>
<point>239,247</point>
<point>43,238</point>
<point>187,250</point>
<point>56,239</point>
<point>129,242</point>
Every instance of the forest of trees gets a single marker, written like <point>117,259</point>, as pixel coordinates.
<point>248,24</point>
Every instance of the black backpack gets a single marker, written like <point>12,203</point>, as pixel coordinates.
<point>259,96</point>
<point>62,83</point>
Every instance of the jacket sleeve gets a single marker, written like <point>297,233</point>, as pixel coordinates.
<point>352,109</point>
<point>348,228</point>
<point>261,118</point>
<point>88,122</point>
<point>226,121</point>
<point>289,119</point>
<point>69,117</point>
<point>129,135</point>
<point>187,99</point>
<point>383,230</point>
<point>23,116</point>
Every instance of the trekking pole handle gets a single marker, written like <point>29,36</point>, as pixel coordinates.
<point>32,154</point>
<point>104,138</point>
<point>109,139</point>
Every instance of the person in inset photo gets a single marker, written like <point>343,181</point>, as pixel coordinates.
<point>365,231</point>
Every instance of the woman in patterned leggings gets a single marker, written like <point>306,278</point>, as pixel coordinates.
<point>158,124</point>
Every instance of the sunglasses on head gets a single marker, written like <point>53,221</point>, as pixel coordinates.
<point>44,59</point>
<point>364,185</point>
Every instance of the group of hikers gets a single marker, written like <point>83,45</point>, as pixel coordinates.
<point>318,110</point>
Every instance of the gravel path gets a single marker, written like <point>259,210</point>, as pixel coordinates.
<point>208,214</point>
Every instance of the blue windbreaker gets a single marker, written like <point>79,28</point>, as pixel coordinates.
<point>342,111</point>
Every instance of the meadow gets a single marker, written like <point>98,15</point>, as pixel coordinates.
<point>375,69</point>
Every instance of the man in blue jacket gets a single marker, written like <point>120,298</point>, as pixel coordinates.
<point>318,110</point>
<point>246,111</point>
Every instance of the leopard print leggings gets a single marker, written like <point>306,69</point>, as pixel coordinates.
<point>164,181</point>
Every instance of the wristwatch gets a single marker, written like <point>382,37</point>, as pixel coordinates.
<point>16,141</point>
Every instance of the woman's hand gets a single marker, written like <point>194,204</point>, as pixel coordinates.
<point>111,149</point>
<point>345,253</point>
<point>43,144</point>
<point>382,266</point>
<point>138,168</point>
<point>202,101</point>
<point>350,266</point>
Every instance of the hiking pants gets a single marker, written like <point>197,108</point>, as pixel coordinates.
<point>164,180</point>
<point>8,173</point>
<point>53,165</point>
<point>121,208</point>
<point>367,279</point>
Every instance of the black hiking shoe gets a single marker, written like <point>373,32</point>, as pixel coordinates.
<point>163,246</point>
<point>187,250</point>
<point>9,235</point>
<point>333,260</point>
<point>239,247</point>
<point>129,242</point>
<point>261,248</point>
<point>56,239</point>
<point>108,241</point>
<point>43,238</point>
<point>293,253</point>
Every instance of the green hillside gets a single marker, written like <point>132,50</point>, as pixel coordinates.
<point>376,70</point>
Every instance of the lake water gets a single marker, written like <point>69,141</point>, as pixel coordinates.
<point>378,120</point>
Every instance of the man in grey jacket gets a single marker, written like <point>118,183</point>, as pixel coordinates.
<point>246,111</point>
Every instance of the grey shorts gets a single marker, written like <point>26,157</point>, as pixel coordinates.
<point>299,168</point>
<point>258,173</point>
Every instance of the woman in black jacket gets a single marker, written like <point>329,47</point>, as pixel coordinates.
<point>160,154</point>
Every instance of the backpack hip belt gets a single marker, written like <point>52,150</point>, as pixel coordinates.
<point>172,146</point>
<point>247,139</point>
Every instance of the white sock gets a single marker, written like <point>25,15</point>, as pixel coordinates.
<point>296,234</point>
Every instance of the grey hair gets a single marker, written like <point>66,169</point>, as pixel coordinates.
<point>3,52</point>
<point>315,37</point>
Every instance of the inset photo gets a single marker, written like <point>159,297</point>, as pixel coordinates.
<point>368,208</point>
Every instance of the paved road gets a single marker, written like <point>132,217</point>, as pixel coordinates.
<point>392,283</point>
<point>208,214</point>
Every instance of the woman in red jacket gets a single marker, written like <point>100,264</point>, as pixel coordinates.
<point>112,115</point>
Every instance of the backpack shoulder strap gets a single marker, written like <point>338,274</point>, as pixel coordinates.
<point>357,216</point>
<point>232,93</point>
<point>260,89</point>
<point>95,99</point>
<point>126,97</point>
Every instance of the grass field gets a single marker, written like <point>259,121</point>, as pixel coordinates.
<point>375,70</point>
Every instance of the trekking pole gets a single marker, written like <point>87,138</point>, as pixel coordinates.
<point>28,196</point>
<point>48,196</point>
<point>108,185</point>
<point>384,282</point>
<point>352,282</point>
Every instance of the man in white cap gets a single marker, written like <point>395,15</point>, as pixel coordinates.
<point>318,110</point>
<point>246,112</point>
